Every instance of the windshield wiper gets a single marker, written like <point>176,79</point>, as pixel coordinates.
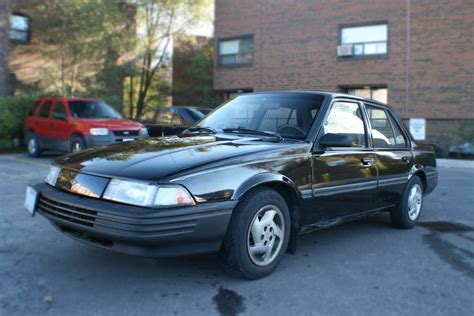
<point>202,130</point>
<point>251,131</point>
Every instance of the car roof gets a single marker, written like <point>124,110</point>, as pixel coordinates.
<point>329,94</point>
<point>66,99</point>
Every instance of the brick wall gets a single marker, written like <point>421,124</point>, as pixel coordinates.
<point>428,71</point>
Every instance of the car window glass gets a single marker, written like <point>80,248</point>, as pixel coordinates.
<point>59,111</point>
<point>177,120</point>
<point>92,109</point>
<point>399,137</point>
<point>346,118</point>
<point>274,119</point>
<point>44,111</point>
<point>164,117</point>
<point>382,132</point>
<point>33,108</point>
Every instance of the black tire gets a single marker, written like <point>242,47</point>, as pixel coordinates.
<point>33,145</point>
<point>400,214</point>
<point>235,252</point>
<point>76,143</point>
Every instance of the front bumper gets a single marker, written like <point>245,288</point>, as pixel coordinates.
<point>96,141</point>
<point>136,230</point>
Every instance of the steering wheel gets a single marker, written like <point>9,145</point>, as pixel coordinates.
<point>299,131</point>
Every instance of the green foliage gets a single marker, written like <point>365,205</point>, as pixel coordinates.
<point>466,131</point>
<point>12,113</point>
<point>193,68</point>
<point>82,37</point>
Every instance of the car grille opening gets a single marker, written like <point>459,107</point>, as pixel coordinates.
<point>67,212</point>
<point>126,133</point>
<point>86,237</point>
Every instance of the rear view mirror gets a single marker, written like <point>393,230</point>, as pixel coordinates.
<point>336,140</point>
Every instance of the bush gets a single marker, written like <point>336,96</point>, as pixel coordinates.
<point>12,113</point>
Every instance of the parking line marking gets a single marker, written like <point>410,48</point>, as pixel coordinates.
<point>34,163</point>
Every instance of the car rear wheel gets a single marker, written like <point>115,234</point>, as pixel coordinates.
<point>76,144</point>
<point>34,149</point>
<point>258,234</point>
<point>407,212</point>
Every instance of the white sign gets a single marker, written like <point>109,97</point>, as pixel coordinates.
<point>418,128</point>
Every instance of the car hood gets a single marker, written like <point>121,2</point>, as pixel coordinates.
<point>114,124</point>
<point>153,159</point>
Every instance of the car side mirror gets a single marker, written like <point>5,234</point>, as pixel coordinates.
<point>336,140</point>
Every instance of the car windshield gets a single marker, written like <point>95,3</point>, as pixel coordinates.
<point>89,109</point>
<point>287,114</point>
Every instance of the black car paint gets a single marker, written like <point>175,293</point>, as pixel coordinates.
<point>324,186</point>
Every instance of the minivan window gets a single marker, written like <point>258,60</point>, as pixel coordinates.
<point>44,111</point>
<point>59,111</point>
<point>33,108</point>
<point>92,109</point>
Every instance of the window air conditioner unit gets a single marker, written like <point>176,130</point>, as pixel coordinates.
<point>345,50</point>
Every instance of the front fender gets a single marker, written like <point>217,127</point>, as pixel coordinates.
<point>261,179</point>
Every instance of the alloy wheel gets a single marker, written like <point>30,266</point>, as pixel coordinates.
<point>415,200</point>
<point>265,235</point>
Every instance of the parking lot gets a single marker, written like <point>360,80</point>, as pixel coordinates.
<point>364,267</point>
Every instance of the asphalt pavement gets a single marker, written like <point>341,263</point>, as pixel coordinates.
<point>364,267</point>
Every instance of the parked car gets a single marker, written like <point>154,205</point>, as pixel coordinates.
<point>244,181</point>
<point>72,124</point>
<point>172,120</point>
<point>465,151</point>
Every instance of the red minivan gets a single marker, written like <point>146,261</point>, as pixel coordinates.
<point>72,124</point>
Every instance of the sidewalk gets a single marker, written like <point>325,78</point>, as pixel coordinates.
<point>455,163</point>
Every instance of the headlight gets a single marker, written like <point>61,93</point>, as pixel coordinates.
<point>52,175</point>
<point>143,194</point>
<point>99,131</point>
<point>143,132</point>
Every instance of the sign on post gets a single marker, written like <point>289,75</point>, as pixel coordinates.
<point>418,128</point>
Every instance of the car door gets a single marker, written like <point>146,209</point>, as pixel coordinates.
<point>344,178</point>
<point>60,126</point>
<point>42,128</point>
<point>393,154</point>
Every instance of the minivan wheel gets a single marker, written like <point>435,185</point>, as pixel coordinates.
<point>258,234</point>
<point>34,149</point>
<point>406,213</point>
<point>76,144</point>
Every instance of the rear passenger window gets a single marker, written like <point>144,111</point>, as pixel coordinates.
<point>399,137</point>
<point>33,108</point>
<point>346,118</point>
<point>385,132</point>
<point>44,111</point>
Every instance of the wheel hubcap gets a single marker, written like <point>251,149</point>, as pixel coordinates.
<point>265,235</point>
<point>76,147</point>
<point>32,146</point>
<point>415,199</point>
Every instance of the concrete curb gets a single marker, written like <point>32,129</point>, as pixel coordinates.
<point>455,163</point>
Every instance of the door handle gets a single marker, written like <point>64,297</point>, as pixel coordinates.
<point>406,159</point>
<point>367,162</point>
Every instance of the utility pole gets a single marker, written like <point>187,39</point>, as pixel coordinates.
<point>5,11</point>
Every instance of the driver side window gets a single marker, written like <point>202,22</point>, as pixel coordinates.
<point>346,118</point>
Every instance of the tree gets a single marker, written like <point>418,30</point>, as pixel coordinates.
<point>157,21</point>
<point>5,10</point>
<point>81,37</point>
<point>193,59</point>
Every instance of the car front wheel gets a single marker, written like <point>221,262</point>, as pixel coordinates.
<point>258,234</point>
<point>76,144</point>
<point>407,212</point>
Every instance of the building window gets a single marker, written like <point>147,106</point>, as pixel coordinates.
<point>19,28</point>
<point>375,93</point>
<point>237,51</point>
<point>366,40</point>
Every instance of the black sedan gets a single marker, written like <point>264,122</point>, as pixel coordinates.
<point>244,182</point>
<point>172,120</point>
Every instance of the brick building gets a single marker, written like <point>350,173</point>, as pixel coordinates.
<point>417,56</point>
